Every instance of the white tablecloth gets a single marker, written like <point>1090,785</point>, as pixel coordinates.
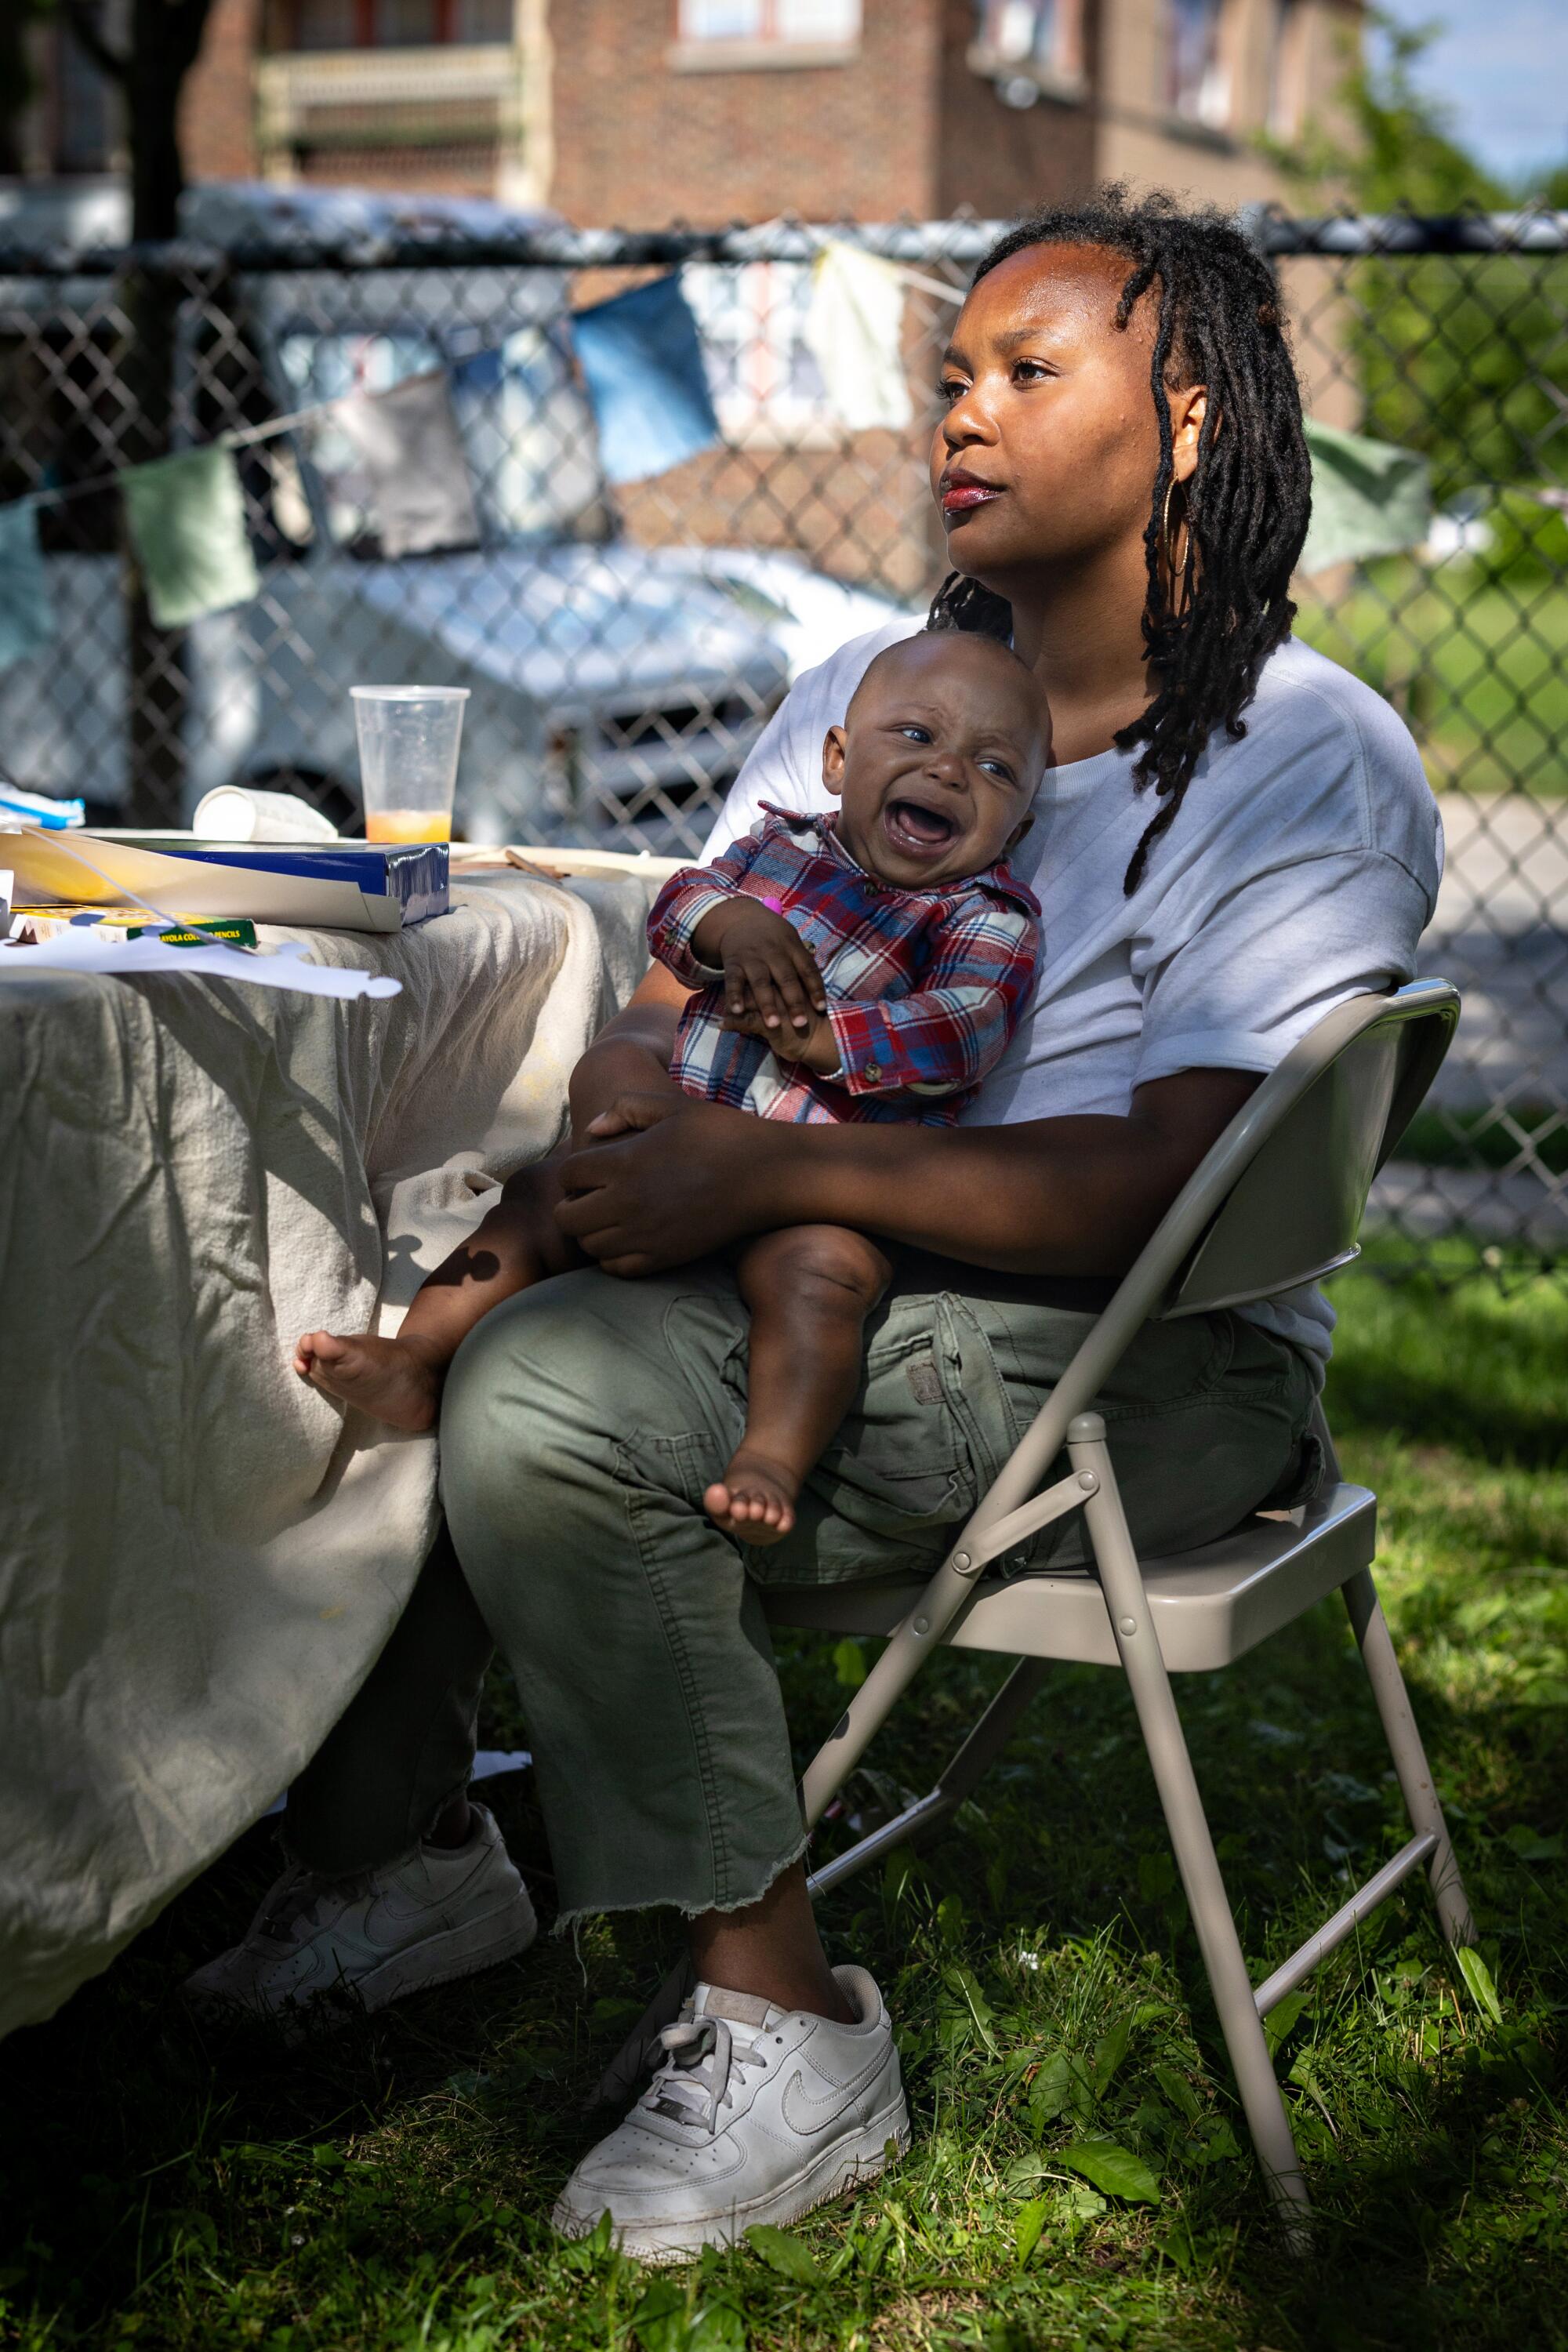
<point>200,1559</point>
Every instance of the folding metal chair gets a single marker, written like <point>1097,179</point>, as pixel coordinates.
<point>1277,1202</point>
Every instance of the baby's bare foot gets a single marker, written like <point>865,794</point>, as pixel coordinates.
<point>755,1500</point>
<point>389,1379</point>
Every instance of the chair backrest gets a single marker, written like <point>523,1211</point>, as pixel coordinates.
<point>1276,1199</point>
<point>1332,1114</point>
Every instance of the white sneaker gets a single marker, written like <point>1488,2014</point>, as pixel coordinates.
<point>363,1941</point>
<point>757,2115</point>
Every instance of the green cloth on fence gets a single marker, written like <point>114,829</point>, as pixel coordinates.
<point>1368,498</point>
<point>27,615</point>
<point>187,525</point>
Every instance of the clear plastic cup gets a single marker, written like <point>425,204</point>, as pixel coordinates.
<point>408,740</point>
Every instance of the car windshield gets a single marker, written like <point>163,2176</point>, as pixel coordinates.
<point>527,429</point>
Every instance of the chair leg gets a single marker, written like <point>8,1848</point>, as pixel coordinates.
<point>1138,1644</point>
<point>1376,1646</point>
<point>973,1759</point>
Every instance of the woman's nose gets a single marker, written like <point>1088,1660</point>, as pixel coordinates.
<point>967,422</point>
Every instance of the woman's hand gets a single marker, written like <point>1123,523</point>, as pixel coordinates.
<point>665,1181</point>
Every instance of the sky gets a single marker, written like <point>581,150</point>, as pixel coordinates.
<point>1502,66</point>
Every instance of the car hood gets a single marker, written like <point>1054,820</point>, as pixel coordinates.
<point>575,626</point>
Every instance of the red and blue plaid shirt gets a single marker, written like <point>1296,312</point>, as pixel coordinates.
<point>924,987</point>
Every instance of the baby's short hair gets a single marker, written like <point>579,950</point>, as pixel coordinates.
<point>964,644</point>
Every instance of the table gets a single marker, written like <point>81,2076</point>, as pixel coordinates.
<point>200,1557</point>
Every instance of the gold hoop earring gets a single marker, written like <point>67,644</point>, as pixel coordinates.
<point>1182,580</point>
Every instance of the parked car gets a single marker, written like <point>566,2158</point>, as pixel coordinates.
<point>615,689</point>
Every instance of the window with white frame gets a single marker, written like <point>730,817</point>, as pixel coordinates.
<point>789,23</point>
<point>764,378</point>
<point>1197,82</point>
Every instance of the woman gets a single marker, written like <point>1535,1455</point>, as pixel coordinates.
<point>1236,835</point>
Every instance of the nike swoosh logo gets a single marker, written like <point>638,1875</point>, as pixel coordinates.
<point>818,2113</point>
<point>396,1912</point>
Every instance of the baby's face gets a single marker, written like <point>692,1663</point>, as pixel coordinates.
<point>938,760</point>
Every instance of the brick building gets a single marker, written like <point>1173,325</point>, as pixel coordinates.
<point>638,111</point>
<point>721,108</point>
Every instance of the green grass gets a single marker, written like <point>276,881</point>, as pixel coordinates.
<point>389,2188</point>
<point>1479,669</point>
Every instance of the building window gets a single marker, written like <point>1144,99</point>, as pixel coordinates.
<point>1288,70</point>
<point>1043,37</point>
<point>788,24</point>
<point>322,25</point>
<point>393,24</point>
<point>1197,84</point>
<point>84,129</point>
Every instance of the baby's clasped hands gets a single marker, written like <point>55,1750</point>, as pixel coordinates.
<point>773,988</point>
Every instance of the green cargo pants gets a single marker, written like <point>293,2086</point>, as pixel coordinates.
<point>582,1421</point>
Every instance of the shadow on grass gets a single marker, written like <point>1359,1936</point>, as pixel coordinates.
<point>161,2185</point>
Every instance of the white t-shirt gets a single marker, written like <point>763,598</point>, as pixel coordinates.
<point>1301,870</point>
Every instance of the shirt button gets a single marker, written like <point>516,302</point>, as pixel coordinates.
<point>874,1071</point>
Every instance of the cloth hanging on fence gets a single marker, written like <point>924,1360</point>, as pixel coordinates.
<point>27,615</point>
<point>1369,499</point>
<point>642,361</point>
<point>408,441</point>
<point>187,517</point>
<point>854,331</point>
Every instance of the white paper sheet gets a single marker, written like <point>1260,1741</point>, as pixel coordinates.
<point>122,959</point>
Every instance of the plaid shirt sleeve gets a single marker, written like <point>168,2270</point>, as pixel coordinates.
<point>949,1033</point>
<point>680,906</point>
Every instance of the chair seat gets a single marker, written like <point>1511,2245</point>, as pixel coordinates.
<point>1210,1605</point>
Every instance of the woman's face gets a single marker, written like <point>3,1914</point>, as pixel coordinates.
<point>1048,453</point>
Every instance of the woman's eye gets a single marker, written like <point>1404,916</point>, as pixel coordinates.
<point>1030,372</point>
<point>950,388</point>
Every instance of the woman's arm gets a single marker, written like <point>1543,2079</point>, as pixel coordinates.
<point>674,1179</point>
<point>631,1054</point>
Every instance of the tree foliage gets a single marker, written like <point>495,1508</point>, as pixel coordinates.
<point>1466,358</point>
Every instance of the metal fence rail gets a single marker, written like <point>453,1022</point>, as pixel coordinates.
<point>625,649</point>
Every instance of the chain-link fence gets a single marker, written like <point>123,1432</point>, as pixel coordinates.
<point>624,649</point>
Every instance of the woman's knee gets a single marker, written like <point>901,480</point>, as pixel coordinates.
<point>549,1387</point>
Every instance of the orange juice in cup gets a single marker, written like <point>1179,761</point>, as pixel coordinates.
<point>408,825</point>
<point>408,741</point>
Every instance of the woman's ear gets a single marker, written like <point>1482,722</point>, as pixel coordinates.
<point>1188,409</point>
<point>833,761</point>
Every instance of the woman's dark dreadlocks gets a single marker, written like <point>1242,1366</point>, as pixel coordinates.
<point>1246,504</point>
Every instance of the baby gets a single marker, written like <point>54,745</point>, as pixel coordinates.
<point>870,965</point>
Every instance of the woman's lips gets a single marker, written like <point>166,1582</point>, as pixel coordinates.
<point>961,493</point>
